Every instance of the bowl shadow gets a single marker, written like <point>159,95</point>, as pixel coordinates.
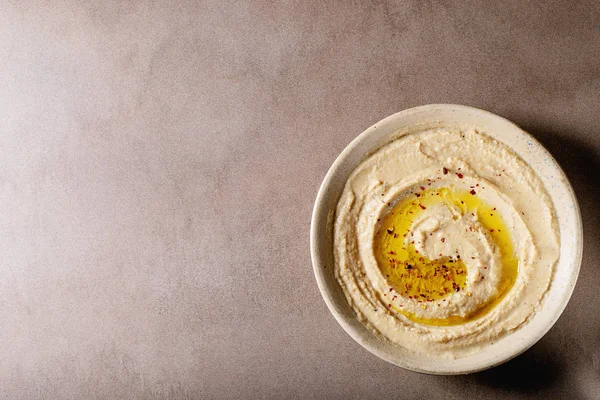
<point>532,371</point>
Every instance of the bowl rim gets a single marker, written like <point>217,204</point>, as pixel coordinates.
<point>320,211</point>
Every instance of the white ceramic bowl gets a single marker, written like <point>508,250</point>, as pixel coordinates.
<point>556,183</point>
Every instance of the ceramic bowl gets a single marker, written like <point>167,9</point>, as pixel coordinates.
<point>530,150</point>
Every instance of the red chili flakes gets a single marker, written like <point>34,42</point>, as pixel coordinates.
<point>491,230</point>
<point>422,206</point>
<point>391,289</point>
<point>494,208</point>
<point>390,231</point>
<point>395,236</point>
<point>422,188</point>
<point>473,192</point>
<point>392,252</point>
<point>443,240</point>
<point>445,171</point>
<point>417,194</point>
<point>459,175</point>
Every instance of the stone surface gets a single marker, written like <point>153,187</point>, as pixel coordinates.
<point>159,163</point>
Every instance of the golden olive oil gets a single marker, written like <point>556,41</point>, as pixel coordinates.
<point>414,276</point>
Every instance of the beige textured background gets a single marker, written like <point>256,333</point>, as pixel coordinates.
<point>159,163</point>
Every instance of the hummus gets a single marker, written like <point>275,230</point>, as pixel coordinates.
<point>445,241</point>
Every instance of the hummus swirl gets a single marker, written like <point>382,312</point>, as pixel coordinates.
<point>445,240</point>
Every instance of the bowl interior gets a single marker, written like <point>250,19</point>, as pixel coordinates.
<point>555,182</point>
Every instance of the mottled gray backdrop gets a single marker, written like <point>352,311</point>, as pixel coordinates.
<point>159,163</point>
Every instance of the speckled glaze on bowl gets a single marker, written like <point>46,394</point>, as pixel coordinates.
<point>530,150</point>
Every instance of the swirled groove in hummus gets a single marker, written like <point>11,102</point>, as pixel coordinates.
<point>414,276</point>
<point>445,241</point>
